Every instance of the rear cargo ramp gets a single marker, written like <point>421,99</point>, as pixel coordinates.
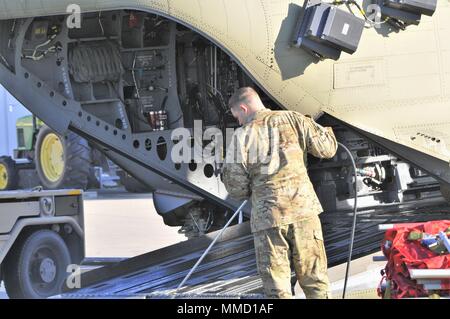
<point>229,270</point>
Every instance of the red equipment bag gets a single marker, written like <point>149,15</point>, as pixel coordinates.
<point>403,254</point>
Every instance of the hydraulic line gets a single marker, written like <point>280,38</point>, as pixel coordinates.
<point>355,209</point>
<point>210,246</point>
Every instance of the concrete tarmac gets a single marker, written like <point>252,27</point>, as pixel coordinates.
<point>125,225</point>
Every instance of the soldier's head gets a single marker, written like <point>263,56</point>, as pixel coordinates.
<point>244,103</point>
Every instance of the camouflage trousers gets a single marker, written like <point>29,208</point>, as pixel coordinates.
<point>300,243</point>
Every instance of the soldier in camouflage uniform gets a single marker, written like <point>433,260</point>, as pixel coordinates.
<point>267,162</point>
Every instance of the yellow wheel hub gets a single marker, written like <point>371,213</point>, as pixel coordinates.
<point>52,157</point>
<point>3,177</point>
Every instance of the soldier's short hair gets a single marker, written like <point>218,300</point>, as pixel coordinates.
<point>244,95</point>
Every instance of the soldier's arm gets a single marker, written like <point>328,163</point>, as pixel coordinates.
<point>235,174</point>
<point>318,140</point>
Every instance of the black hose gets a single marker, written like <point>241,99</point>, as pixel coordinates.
<point>355,209</point>
<point>163,104</point>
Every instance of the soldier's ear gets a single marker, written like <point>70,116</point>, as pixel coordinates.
<point>243,108</point>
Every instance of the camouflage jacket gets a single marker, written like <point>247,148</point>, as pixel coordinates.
<point>267,161</point>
